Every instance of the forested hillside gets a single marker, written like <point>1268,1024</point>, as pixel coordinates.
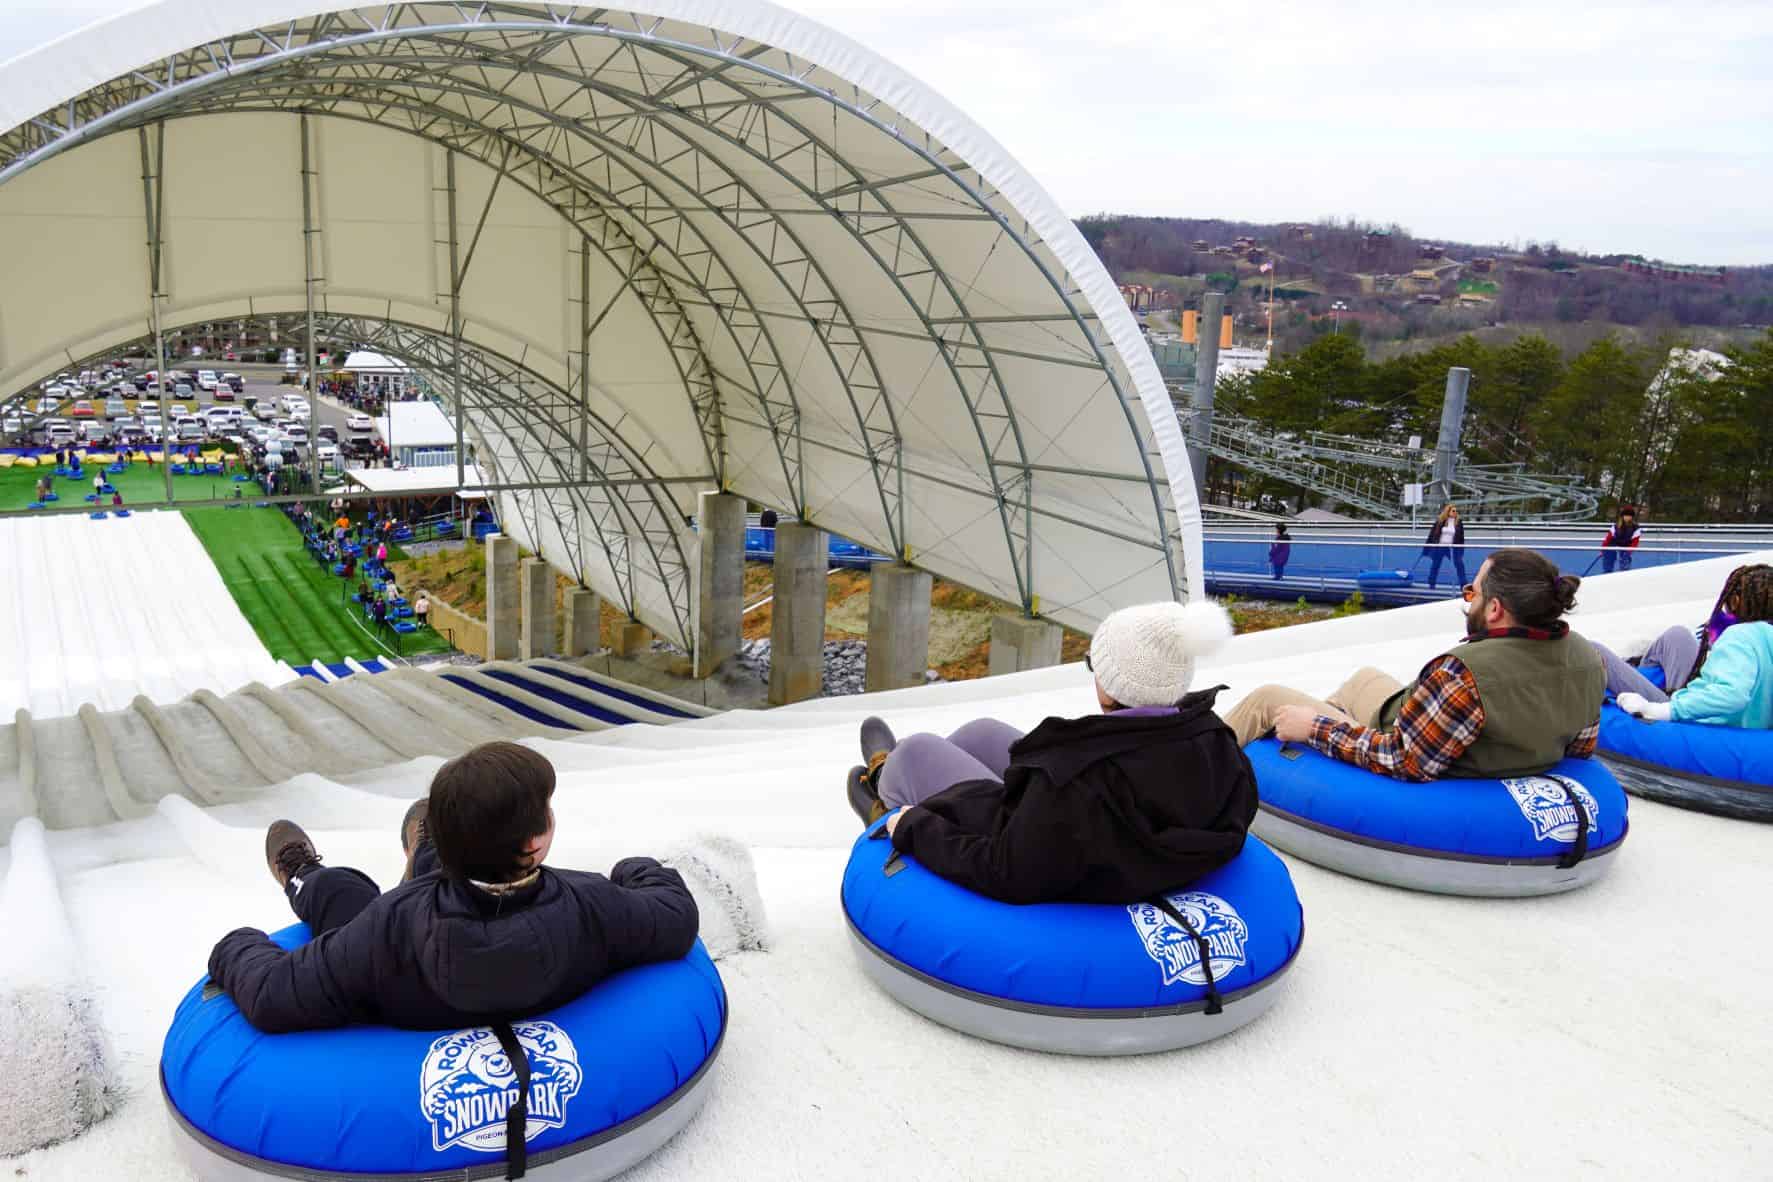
<point>1401,287</point>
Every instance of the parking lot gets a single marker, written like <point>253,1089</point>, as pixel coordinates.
<point>262,415</point>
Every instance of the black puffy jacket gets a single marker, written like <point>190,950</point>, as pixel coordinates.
<point>433,954</point>
<point>1111,808</point>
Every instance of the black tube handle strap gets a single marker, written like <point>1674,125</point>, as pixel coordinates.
<point>1214,1003</point>
<point>517,1117</point>
<point>1578,849</point>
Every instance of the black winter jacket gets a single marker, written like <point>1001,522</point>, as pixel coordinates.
<point>1103,809</point>
<point>1434,534</point>
<point>433,954</point>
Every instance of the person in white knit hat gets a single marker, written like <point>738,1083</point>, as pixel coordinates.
<point>1139,799</point>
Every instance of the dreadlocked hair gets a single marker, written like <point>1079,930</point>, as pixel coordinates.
<point>1754,593</point>
<point>1751,587</point>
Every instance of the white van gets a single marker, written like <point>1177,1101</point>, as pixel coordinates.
<point>206,379</point>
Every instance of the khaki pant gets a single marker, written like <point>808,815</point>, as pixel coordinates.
<point>1356,700</point>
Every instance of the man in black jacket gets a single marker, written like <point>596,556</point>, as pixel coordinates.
<point>1110,808</point>
<point>477,931</point>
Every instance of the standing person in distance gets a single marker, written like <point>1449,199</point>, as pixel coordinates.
<point>1280,550</point>
<point>1445,537</point>
<point>1621,539</point>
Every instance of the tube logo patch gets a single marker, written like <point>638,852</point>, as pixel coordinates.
<point>1177,952</point>
<point>468,1084</point>
<point>1548,810</point>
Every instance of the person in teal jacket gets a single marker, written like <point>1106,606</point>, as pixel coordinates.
<point>1735,685</point>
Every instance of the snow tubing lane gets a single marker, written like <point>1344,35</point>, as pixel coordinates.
<point>615,1074</point>
<point>1724,770</point>
<point>1496,838</point>
<point>1074,978</point>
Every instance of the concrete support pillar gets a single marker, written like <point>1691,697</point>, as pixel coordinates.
<point>797,614</point>
<point>1019,643</point>
<point>537,630</point>
<point>631,638</point>
<point>502,610</point>
<point>898,627</point>
<point>584,618</point>
<point>721,588</point>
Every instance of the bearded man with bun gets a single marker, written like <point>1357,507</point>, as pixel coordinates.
<point>1140,799</point>
<point>1516,695</point>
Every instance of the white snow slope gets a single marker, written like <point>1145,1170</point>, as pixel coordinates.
<point>1622,1030</point>
<point>100,611</point>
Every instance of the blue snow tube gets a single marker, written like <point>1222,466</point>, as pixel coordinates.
<point>1522,835</point>
<point>614,1074</point>
<point>1076,978</point>
<point>1372,579</point>
<point>1725,770</point>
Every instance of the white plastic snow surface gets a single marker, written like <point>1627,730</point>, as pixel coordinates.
<point>100,611</point>
<point>1621,1030</point>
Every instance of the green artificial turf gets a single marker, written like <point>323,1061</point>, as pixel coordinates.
<point>140,485</point>
<point>300,610</point>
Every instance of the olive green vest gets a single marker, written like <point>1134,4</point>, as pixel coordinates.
<point>1537,695</point>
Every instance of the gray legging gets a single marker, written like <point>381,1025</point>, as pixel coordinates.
<point>922,765</point>
<point>1675,651</point>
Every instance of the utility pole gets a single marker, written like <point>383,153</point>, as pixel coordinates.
<point>1206,372</point>
<point>1446,448</point>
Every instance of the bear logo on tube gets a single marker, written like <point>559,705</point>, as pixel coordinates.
<point>1545,806</point>
<point>1177,952</point>
<point>468,1084</point>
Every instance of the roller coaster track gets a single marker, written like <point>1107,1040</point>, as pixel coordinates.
<point>1370,476</point>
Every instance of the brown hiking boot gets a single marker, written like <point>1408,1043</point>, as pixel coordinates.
<point>413,832</point>
<point>288,851</point>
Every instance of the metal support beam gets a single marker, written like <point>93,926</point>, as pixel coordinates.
<point>455,315</point>
<point>153,169</point>
<point>308,280</point>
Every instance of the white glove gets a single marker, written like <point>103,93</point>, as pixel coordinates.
<point>1644,708</point>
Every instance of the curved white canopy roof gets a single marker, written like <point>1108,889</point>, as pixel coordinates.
<point>686,244</point>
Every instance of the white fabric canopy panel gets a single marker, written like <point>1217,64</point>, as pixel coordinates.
<point>403,481</point>
<point>646,252</point>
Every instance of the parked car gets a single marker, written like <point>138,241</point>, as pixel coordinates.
<point>327,432</point>
<point>115,408</point>
<point>301,411</point>
<point>189,431</point>
<point>264,412</point>
<point>82,409</point>
<point>176,410</point>
<point>359,447</point>
<point>327,454</point>
<point>183,390</point>
<point>291,401</point>
<point>206,379</point>
<point>296,433</point>
<point>358,421</point>
<point>58,432</point>
<point>96,432</point>
<point>12,425</point>
<point>222,392</point>
<point>234,382</point>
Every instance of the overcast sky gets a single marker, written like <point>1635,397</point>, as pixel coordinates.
<point>1626,126</point>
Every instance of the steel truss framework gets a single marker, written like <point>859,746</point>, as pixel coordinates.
<point>632,134</point>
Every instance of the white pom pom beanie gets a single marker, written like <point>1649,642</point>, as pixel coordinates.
<point>1144,655</point>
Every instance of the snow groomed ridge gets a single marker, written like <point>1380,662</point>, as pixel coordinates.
<point>1417,1036</point>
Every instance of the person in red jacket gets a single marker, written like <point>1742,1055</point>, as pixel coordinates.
<point>1621,540</point>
